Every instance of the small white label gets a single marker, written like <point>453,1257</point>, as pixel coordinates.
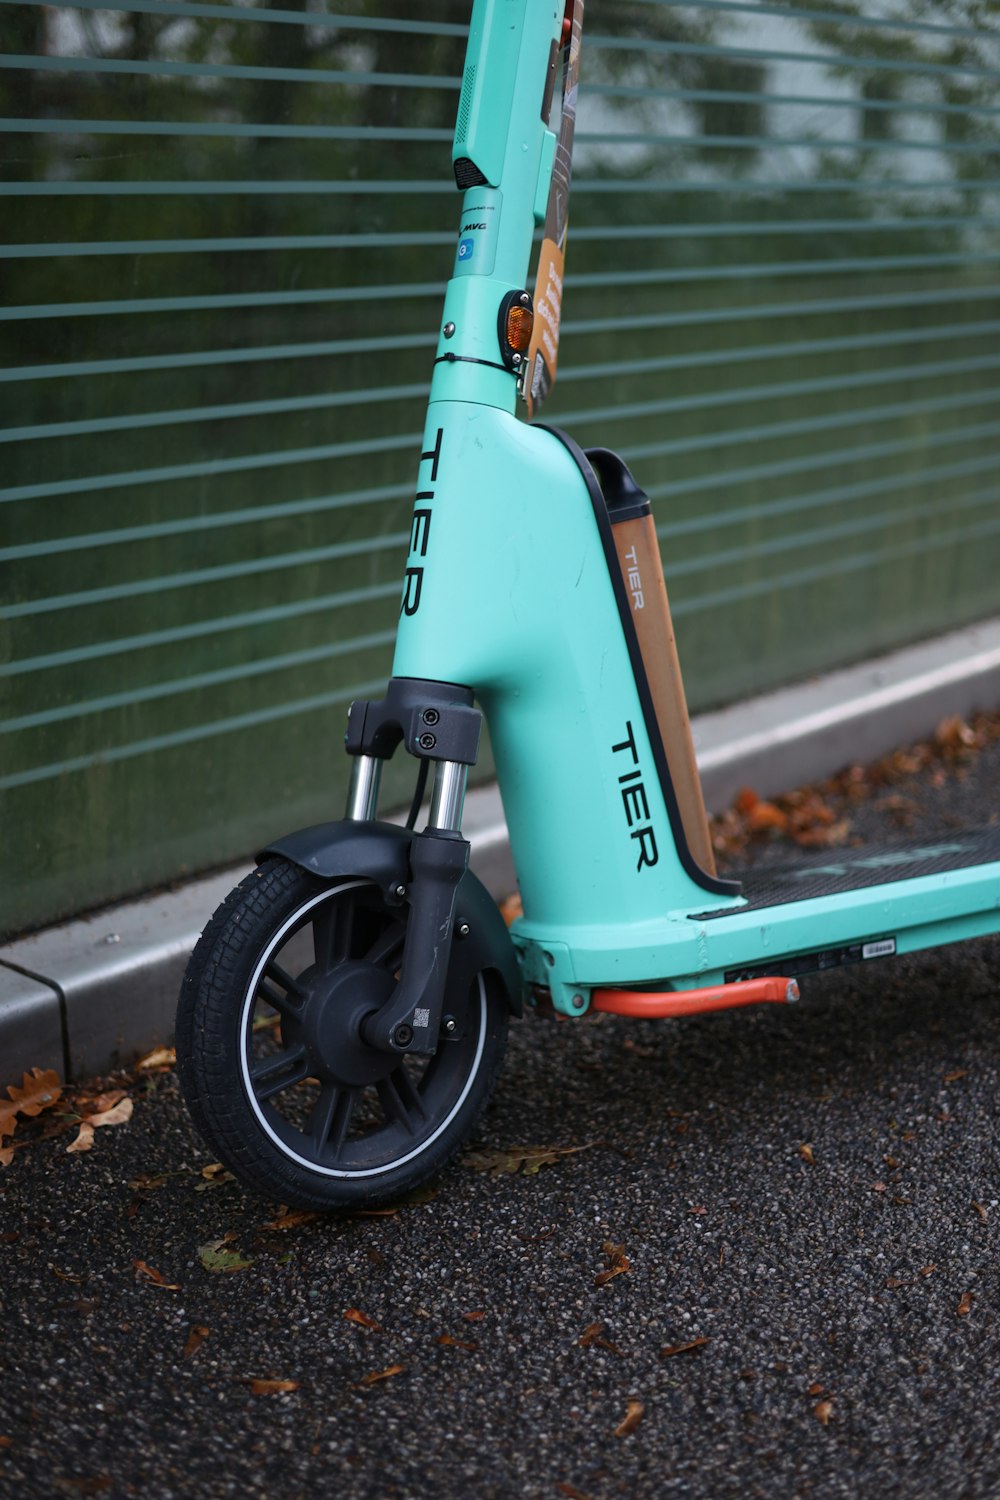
<point>884,948</point>
<point>421,1019</point>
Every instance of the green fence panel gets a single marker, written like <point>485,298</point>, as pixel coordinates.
<point>224,236</point>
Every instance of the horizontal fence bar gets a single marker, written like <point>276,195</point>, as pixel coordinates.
<point>781,468</point>
<point>378,395</point>
<point>768,97</point>
<point>837,494</point>
<point>253,515</point>
<point>154,692</point>
<point>161,68</point>
<point>210,468</point>
<point>319,296</point>
<point>228,243</point>
<point>832,568</point>
<point>829,422</point>
<point>581,233</point>
<point>814,308</point>
<point>582,187</point>
<point>329,20</point>
<point>394,343</point>
<point>227,130</point>
<point>159,742</point>
<point>854,20</point>
<point>226,411</point>
<point>578,327</point>
<point>196,577</point>
<point>707,359</point>
<point>861,145</point>
<point>250,188</point>
<point>823,385</point>
<point>838,531</point>
<point>848,62</point>
<point>81,656</point>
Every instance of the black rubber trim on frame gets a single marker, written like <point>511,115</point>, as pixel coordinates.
<point>701,877</point>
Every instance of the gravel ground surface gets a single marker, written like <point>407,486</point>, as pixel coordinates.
<point>808,1199</point>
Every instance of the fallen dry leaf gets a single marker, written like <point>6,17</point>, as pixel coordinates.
<point>954,1076</point>
<point>354,1315</point>
<point>378,1375</point>
<point>38,1090</point>
<point>213,1175</point>
<point>149,1273</point>
<point>526,1159</point>
<point>633,1416</point>
<point>453,1343</point>
<point>119,1114</point>
<point>476,1316</point>
<point>686,1348</point>
<point>816,1389</point>
<point>199,1333</point>
<point>291,1218</point>
<point>84,1139</point>
<point>618,1263</point>
<point>592,1337</point>
<point>571,1491</point>
<point>822,1411</point>
<point>156,1061</point>
<point>980,1210</point>
<point>260,1387</point>
<point>6,1155</point>
<point>806,1153</point>
<point>965,1305</point>
<point>215,1258</point>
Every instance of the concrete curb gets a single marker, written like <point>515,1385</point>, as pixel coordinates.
<point>96,993</point>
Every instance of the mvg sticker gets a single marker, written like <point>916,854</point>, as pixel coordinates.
<point>884,948</point>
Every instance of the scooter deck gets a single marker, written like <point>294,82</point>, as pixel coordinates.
<point>834,872</point>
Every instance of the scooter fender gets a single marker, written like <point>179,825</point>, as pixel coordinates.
<point>381,852</point>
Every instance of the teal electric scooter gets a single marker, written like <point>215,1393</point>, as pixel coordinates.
<point>344,1015</point>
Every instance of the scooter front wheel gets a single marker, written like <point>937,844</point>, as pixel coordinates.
<point>271,1057</point>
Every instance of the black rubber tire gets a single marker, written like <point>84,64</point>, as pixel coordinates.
<point>323,1140</point>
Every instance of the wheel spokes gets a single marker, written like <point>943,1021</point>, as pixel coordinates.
<point>270,1077</point>
<point>400,1101</point>
<point>333,928</point>
<point>331,1118</point>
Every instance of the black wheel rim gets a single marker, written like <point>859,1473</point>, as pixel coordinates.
<point>327,1102</point>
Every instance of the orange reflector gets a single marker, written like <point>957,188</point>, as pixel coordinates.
<point>519,324</point>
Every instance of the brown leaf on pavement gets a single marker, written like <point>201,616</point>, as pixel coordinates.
<point>290,1218</point>
<point>355,1315</point>
<point>633,1416</point>
<point>980,1210</point>
<point>199,1333</point>
<point>216,1258</point>
<point>378,1375</point>
<point>157,1061</point>
<point>84,1139</point>
<point>514,1159</point>
<point>6,1155</point>
<point>618,1263</point>
<point>572,1491</point>
<point>37,1090</point>
<point>685,1348</point>
<point>806,1153</point>
<point>965,1305</point>
<point>453,1343</point>
<point>120,1114</point>
<point>823,1411</point>
<point>149,1273</point>
<point>591,1337</point>
<point>260,1387</point>
<point>956,1074</point>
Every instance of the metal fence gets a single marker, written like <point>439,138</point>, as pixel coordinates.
<point>224,237</point>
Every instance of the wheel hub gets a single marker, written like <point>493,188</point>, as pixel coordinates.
<point>334,1007</point>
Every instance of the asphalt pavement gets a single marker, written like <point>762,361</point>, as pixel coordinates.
<point>758,1256</point>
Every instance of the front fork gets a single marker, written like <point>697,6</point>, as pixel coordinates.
<point>437,722</point>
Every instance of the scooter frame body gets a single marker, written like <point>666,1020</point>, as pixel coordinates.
<point>510,591</point>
